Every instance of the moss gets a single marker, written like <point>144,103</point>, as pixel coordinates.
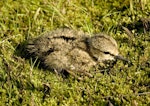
<point>23,83</point>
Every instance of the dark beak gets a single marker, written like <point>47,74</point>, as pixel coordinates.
<point>122,58</point>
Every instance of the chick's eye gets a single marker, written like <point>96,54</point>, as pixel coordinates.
<point>106,52</point>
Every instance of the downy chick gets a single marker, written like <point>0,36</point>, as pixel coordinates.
<point>72,51</point>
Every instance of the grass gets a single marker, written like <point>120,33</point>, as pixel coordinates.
<point>23,83</point>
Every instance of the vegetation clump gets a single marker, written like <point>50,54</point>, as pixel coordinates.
<point>22,82</point>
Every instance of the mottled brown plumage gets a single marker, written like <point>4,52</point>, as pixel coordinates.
<point>73,51</point>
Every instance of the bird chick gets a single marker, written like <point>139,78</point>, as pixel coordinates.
<point>72,51</point>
